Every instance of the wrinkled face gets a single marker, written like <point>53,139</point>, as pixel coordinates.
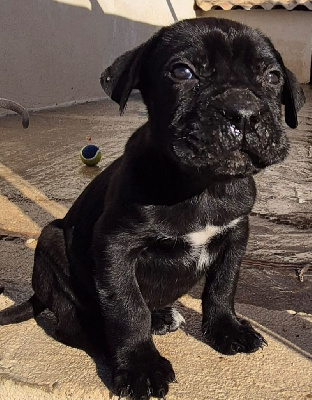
<point>215,96</point>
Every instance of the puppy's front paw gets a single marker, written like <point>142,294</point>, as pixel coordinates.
<point>142,380</point>
<point>166,320</point>
<point>230,335</point>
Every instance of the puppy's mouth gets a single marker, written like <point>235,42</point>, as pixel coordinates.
<point>230,152</point>
<point>256,161</point>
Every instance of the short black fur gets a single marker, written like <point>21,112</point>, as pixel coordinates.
<point>174,207</point>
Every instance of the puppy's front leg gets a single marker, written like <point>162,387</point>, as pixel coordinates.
<point>139,371</point>
<point>223,330</point>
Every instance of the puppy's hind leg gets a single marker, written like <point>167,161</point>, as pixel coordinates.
<point>53,284</point>
<point>51,275</point>
<point>166,320</point>
<point>68,328</point>
<point>50,270</point>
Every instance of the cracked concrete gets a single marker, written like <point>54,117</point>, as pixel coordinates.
<point>41,175</point>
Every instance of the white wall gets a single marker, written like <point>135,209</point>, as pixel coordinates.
<point>53,51</point>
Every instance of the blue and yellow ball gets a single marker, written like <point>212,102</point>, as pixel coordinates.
<point>90,155</point>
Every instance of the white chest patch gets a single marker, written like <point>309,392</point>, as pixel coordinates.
<point>199,240</point>
<point>203,236</point>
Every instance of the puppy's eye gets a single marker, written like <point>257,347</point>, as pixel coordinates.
<point>182,72</point>
<point>274,77</point>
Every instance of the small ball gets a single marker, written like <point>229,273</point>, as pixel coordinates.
<point>90,155</point>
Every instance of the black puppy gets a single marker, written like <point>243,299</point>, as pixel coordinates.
<point>175,206</point>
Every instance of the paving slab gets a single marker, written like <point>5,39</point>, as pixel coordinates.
<point>40,177</point>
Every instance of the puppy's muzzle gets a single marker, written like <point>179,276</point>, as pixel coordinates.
<point>239,106</point>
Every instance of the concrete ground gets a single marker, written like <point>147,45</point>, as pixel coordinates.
<point>40,177</point>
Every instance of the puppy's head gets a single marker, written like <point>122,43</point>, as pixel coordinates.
<point>214,90</point>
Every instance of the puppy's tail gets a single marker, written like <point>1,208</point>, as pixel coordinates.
<point>21,312</point>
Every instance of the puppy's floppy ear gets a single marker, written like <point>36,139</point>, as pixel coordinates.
<point>292,94</point>
<point>123,75</point>
<point>293,91</point>
<point>292,97</point>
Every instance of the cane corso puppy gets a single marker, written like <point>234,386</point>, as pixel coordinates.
<point>174,207</point>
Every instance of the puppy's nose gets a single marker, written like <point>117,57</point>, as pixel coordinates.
<point>242,115</point>
<point>241,107</point>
